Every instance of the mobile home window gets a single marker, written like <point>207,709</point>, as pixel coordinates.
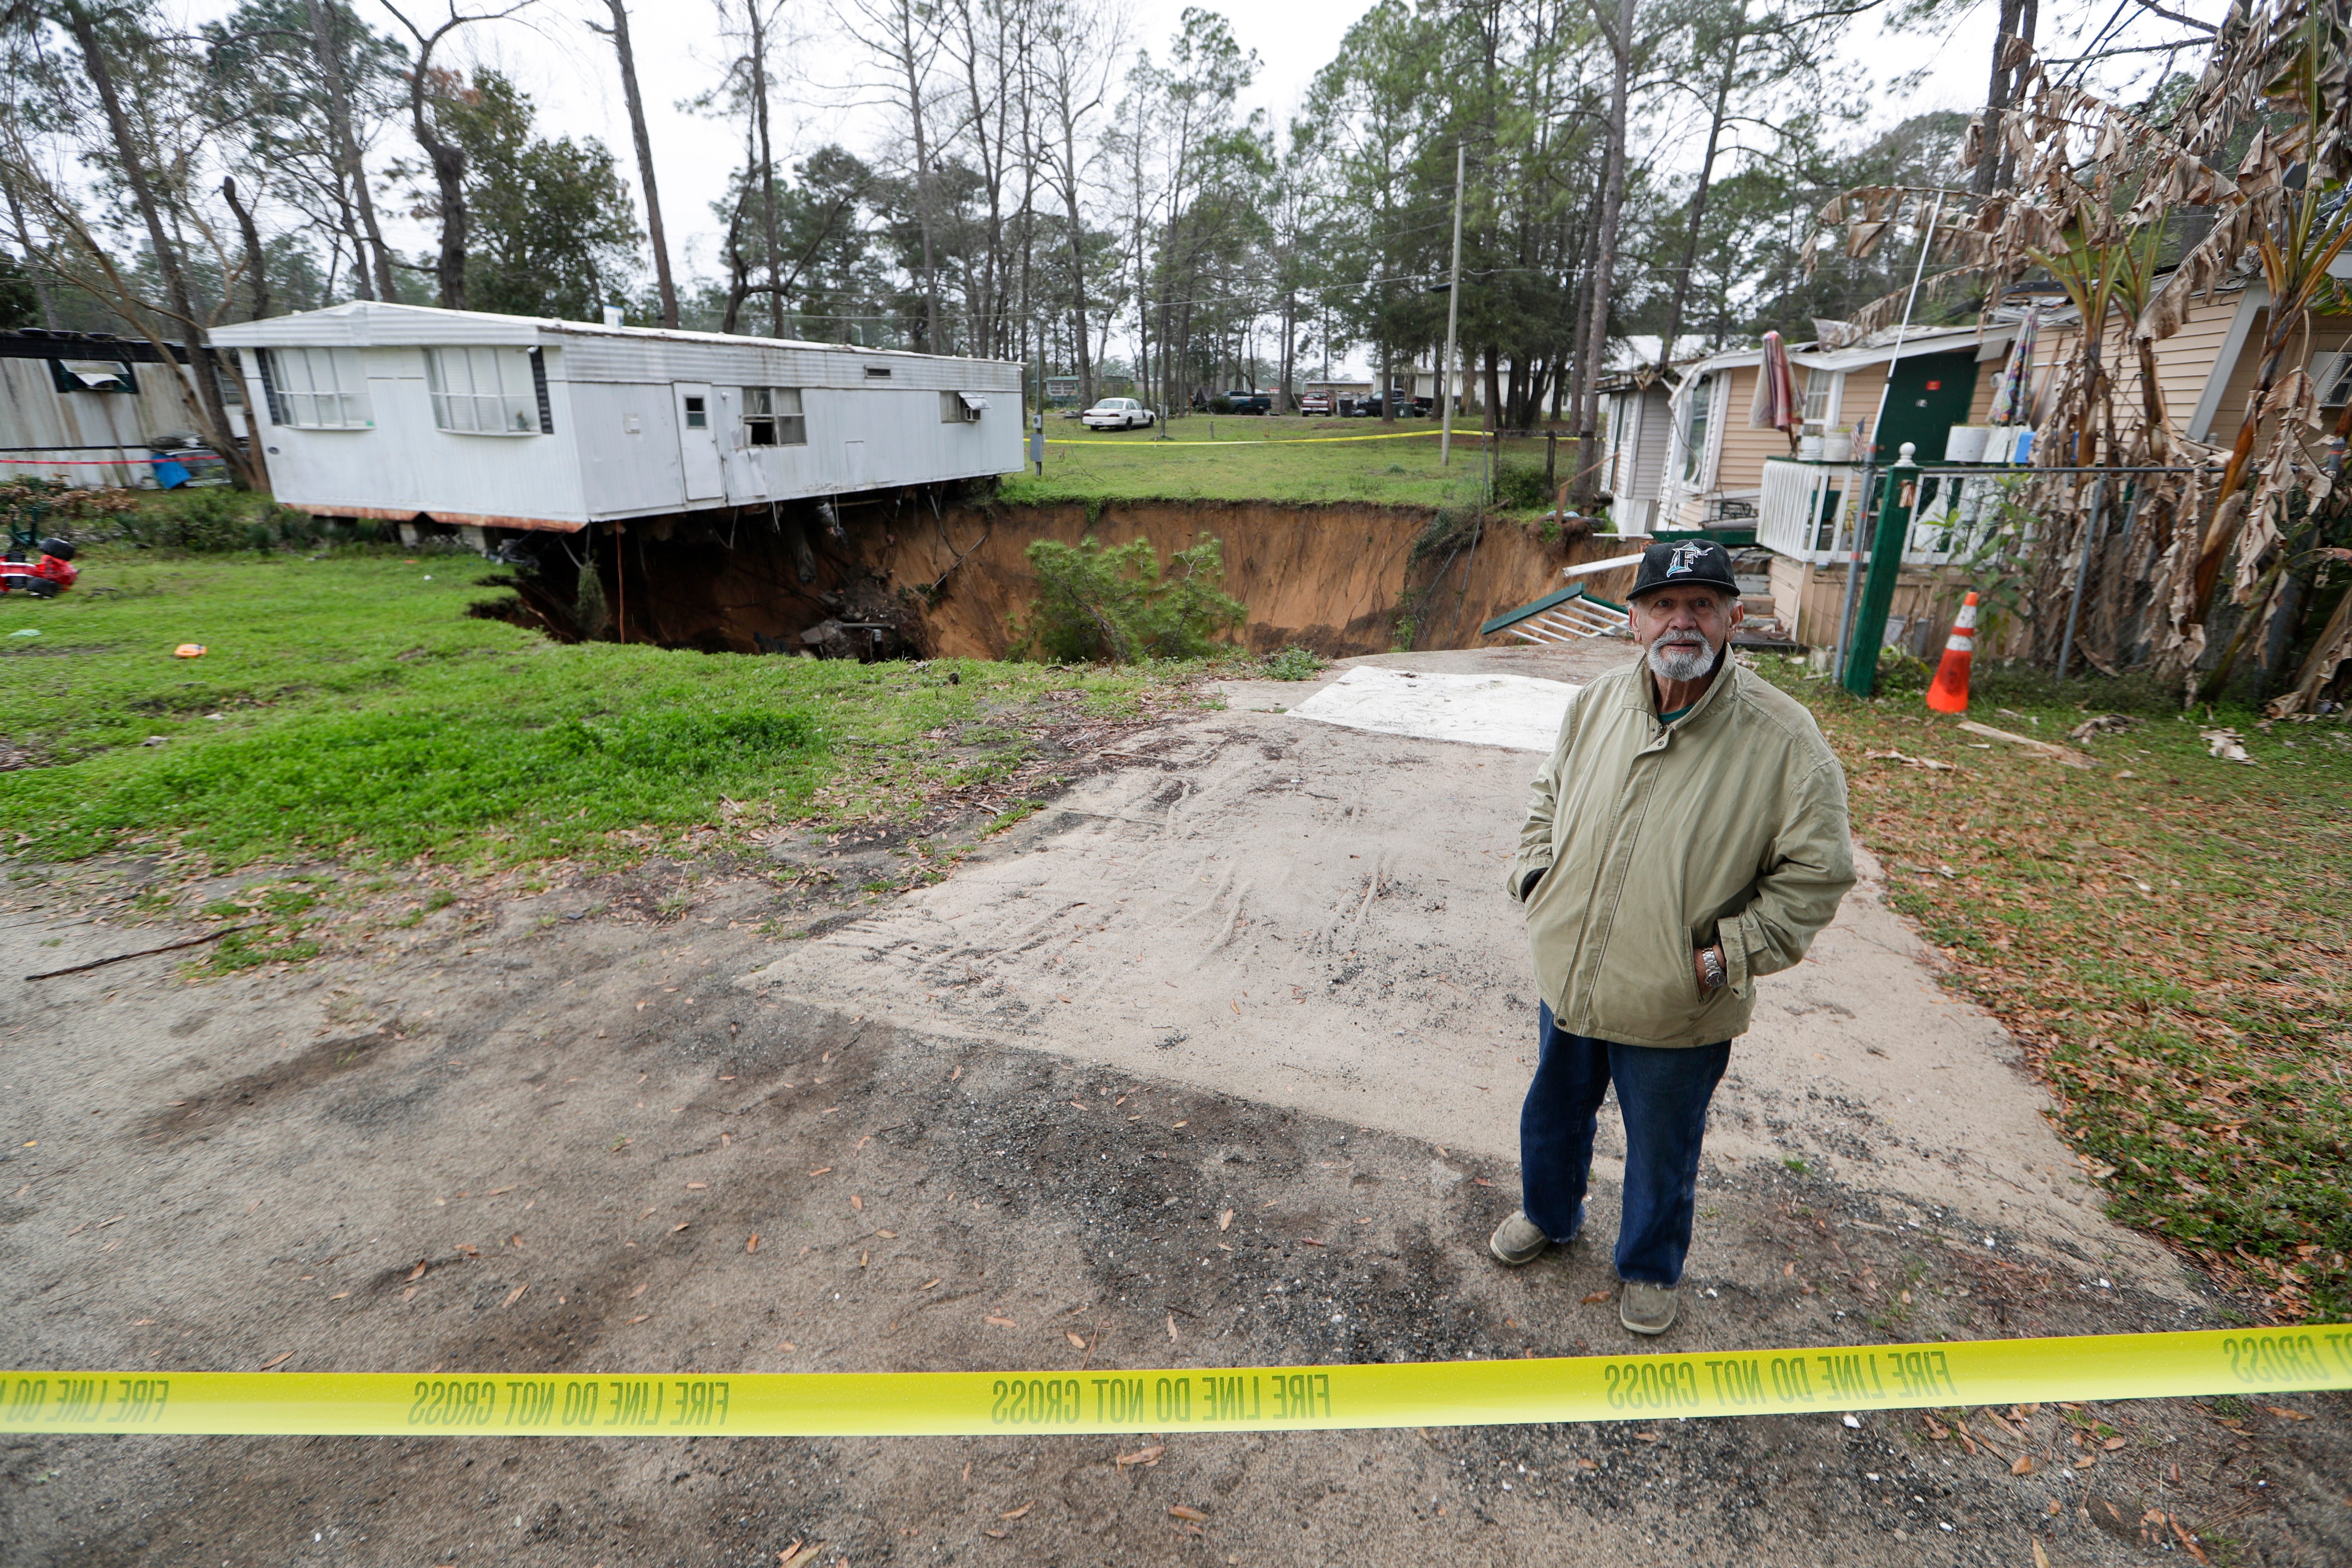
<point>1695,432</point>
<point>772,418</point>
<point>483,390</point>
<point>961,408</point>
<point>1817,394</point>
<point>318,389</point>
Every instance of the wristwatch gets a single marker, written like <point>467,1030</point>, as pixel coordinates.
<point>1710,962</point>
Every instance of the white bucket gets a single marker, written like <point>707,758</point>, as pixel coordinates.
<point>1837,448</point>
<point>1808,447</point>
<point>1966,443</point>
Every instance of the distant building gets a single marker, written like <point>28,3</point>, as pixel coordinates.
<point>91,408</point>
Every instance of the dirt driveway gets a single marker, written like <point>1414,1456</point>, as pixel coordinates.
<point>1216,1062</point>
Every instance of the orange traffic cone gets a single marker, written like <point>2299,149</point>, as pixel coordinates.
<point>1949,694</point>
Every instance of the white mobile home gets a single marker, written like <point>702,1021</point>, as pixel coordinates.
<point>403,412</point>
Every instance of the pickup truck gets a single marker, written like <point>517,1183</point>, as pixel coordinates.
<point>1315,402</point>
<point>1248,402</point>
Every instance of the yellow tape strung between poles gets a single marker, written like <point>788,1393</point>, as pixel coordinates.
<point>1208,1399</point>
<point>1300,441</point>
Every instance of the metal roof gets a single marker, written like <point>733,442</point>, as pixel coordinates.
<point>367,323</point>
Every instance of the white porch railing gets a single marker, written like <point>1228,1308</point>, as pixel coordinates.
<point>1807,512</point>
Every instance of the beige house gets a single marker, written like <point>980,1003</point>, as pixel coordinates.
<point>1718,471</point>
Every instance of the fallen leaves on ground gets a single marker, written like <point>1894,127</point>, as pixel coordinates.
<point>1016,1514</point>
<point>1150,1456</point>
<point>1181,1511</point>
<point>1002,1322</point>
<point>1930,764</point>
<point>2167,949</point>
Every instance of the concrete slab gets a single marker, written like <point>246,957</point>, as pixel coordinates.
<point>1313,916</point>
<point>1514,712</point>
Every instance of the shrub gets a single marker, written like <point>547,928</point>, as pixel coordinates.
<point>1449,528</point>
<point>36,506</point>
<point>1295,663</point>
<point>1902,673</point>
<point>1520,488</point>
<point>1095,604</point>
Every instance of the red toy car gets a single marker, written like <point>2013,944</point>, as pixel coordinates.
<point>52,574</point>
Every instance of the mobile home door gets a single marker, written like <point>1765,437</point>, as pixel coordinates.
<point>698,439</point>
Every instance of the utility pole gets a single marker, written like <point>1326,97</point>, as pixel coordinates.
<point>1453,314</point>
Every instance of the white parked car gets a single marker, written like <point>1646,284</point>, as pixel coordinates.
<point>1119,414</point>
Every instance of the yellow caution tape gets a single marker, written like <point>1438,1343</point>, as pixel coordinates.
<point>1269,441</point>
<point>1202,1399</point>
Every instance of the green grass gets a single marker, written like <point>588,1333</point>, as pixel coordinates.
<point>2167,936</point>
<point>1306,462</point>
<point>348,707</point>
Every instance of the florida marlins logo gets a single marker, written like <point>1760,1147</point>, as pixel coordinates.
<point>1686,558</point>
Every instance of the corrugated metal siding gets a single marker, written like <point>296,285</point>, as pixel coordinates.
<point>1636,465</point>
<point>35,414</point>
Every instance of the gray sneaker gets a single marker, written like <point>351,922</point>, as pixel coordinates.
<point>1518,1240</point>
<point>1648,1308</point>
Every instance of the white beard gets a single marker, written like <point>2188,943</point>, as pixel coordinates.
<point>1681,664</point>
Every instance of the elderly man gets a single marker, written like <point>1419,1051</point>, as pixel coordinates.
<point>1687,835</point>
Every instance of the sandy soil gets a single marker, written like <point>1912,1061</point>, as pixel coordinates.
<point>1264,966</point>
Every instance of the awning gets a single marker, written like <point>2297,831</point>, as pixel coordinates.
<point>973,402</point>
<point>99,378</point>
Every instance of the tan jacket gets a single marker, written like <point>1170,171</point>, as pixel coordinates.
<point>1654,838</point>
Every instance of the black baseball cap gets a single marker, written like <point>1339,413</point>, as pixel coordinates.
<point>1700,561</point>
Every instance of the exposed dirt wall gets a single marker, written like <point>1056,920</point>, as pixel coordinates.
<point>1332,578</point>
<point>1340,579</point>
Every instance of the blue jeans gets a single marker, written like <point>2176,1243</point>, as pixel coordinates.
<point>1663,1094</point>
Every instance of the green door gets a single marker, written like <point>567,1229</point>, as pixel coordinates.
<point>1929,394</point>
